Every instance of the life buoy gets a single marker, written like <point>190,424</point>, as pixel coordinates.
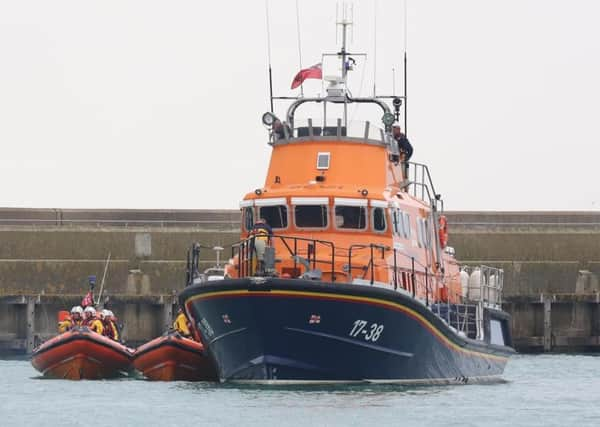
<point>443,233</point>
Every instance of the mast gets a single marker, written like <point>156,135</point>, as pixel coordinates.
<point>345,22</point>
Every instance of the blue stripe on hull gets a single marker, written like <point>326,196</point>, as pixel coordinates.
<point>264,337</point>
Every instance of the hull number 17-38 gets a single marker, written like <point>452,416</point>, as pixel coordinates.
<point>369,331</point>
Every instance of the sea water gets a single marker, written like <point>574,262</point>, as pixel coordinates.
<point>544,390</point>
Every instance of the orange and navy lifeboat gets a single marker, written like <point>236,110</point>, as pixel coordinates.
<point>172,357</point>
<point>80,354</point>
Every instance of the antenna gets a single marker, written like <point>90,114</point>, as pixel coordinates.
<point>299,45</point>
<point>374,49</point>
<point>269,55</point>
<point>405,68</point>
<point>345,22</point>
<point>405,99</point>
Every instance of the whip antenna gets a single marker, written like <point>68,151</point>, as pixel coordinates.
<point>405,68</point>
<point>374,48</point>
<point>269,55</point>
<point>299,44</point>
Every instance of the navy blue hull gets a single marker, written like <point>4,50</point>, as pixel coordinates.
<point>294,330</point>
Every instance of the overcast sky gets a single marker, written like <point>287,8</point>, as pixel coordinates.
<point>157,104</point>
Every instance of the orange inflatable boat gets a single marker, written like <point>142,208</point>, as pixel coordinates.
<point>174,358</point>
<point>82,354</point>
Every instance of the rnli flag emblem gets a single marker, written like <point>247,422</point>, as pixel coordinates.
<point>226,318</point>
<point>314,319</point>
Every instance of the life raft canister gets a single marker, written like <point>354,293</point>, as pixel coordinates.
<point>443,233</point>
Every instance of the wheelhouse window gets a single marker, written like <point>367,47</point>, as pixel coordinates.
<point>351,217</point>
<point>248,218</point>
<point>423,233</point>
<point>310,216</point>
<point>395,221</point>
<point>379,223</point>
<point>276,216</point>
<point>406,225</point>
<point>401,223</point>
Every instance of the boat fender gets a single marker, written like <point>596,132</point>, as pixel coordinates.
<point>443,232</point>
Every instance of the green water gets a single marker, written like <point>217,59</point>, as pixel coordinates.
<point>549,390</point>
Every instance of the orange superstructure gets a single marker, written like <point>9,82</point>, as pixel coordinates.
<point>372,225</point>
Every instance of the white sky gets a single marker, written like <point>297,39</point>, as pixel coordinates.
<point>157,104</point>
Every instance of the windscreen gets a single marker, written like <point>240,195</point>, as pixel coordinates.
<point>351,217</point>
<point>311,216</point>
<point>276,216</point>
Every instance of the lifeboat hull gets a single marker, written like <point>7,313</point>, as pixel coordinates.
<point>272,330</point>
<point>174,358</point>
<point>82,354</point>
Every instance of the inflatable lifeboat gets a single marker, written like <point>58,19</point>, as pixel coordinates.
<point>82,354</point>
<point>172,357</point>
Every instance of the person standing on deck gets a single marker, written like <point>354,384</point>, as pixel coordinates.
<point>404,147</point>
<point>262,233</point>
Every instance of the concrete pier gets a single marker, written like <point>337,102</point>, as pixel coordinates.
<point>551,262</point>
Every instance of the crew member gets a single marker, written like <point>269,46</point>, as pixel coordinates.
<point>404,146</point>
<point>182,325</point>
<point>64,325</point>
<point>262,233</point>
<point>91,321</point>
<point>76,316</point>
<point>112,320</point>
<point>279,130</point>
<point>109,330</point>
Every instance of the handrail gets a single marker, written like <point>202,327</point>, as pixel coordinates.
<point>425,183</point>
<point>372,247</point>
<point>418,275</point>
<point>246,251</point>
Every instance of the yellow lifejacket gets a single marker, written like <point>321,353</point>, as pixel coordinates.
<point>64,326</point>
<point>180,325</point>
<point>115,330</point>
<point>97,326</point>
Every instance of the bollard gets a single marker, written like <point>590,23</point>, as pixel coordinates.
<point>30,321</point>
<point>547,323</point>
<point>167,313</point>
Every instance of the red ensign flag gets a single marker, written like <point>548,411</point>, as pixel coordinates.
<point>314,72</point>
<point>88,299</point>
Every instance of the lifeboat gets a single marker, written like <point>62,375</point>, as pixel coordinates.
<point>343,272</point>
<point>172,357</point>
<point>80,354</point>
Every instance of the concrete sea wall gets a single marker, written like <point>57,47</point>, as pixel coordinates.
<point>551,262</point>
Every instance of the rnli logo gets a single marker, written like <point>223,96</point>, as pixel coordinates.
<point>314,319</point>
<point>226,319</point>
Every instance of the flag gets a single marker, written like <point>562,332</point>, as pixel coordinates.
<point>314,72</point>
<point>88,299</point>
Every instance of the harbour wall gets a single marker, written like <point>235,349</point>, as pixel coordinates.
<point>551,262</point>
